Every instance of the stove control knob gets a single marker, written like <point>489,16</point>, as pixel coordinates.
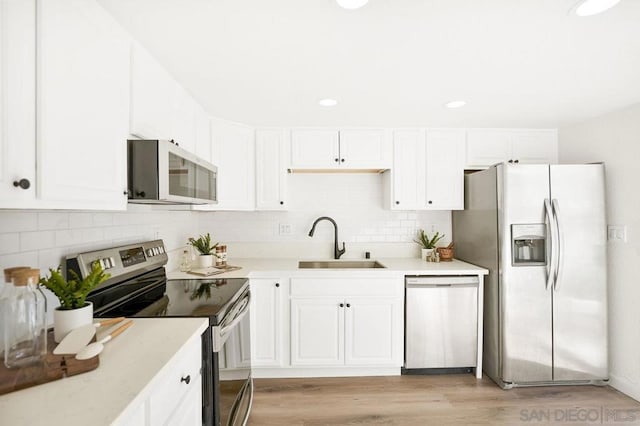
<point>112,261</point>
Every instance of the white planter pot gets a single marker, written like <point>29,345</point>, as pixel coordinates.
<point>66,320</point>
<point>424,253</point>
<point>205,260</point>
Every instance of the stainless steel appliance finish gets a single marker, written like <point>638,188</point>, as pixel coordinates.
<point>139,288</point>
<point>441,328</point>
<point>339,264</point>
<point>160,172</point>
<point>541,232</point>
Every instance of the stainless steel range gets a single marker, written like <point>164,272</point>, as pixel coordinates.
<point>138,287</point>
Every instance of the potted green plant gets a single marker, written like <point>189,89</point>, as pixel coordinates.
<point>205,248</point>
<point>427,243</point>
<point>74,311</point>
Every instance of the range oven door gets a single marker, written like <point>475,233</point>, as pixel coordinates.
<point>233,385</point>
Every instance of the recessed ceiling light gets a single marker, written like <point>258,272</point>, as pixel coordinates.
<point>593,7</point>
<point>351,4</point>
<point>455,104</point>
<point>328,102</point>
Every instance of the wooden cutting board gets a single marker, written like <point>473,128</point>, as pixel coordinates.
<point>54,367</point>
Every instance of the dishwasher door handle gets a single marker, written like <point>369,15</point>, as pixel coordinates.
<point>418,281</point>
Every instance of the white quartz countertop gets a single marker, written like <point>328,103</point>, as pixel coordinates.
<point>257,268</point>
<point>128,367</point>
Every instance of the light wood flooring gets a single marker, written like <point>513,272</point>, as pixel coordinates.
<point>458,399</point>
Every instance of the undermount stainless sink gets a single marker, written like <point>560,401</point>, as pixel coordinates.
<point>340,264</point>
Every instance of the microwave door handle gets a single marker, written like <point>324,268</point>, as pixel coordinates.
<point>560,236</point>
<point>548,210</point>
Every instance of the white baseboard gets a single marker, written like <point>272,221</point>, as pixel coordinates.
<point>274,373</point>
<point>625,386</point>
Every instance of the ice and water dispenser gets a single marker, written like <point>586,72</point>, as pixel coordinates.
<point>528,244</point>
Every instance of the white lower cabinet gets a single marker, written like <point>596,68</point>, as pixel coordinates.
<point>351,322</point>
<point>268,316</point>
<point>176,394</point>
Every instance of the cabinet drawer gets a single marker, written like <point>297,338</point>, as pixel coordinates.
<point>346,287</point>
<point>173,386</point>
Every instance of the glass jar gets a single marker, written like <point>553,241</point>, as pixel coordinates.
<point>24,322</point>
<point>185,261</point>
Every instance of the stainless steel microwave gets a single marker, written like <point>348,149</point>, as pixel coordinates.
<point>160,172</point>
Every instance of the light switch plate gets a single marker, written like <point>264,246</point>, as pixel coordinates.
<point>285,229</point>
<point>617,233</point>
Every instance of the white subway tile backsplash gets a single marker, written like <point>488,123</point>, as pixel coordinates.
<point>9,243</point>
<point>38,240</point>
<point>19,259</point>
<point>53,220</point>
<point>18,221</point>
<point>80,220</point>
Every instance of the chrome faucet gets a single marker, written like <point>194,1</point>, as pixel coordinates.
<point>336,251</point>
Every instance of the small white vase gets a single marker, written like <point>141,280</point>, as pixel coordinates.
<point>205,260</point>
<point>424,253</point>
<point>65,320</point>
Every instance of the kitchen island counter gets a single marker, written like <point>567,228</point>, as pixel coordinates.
<point>130,367</point>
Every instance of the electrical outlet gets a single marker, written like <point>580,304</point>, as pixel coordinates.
<point>285,229</point>
<point>430,228</point>
<point>617,233</point>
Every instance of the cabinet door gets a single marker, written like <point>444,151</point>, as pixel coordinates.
<point>314,149</point>
<point>535,146</point>
<point>486,147</point>
<point>373,331</point>
<point>317,332</point>
<point>83,104</point>
<point>363,149</point>
<point>272,149</point>
<point>267,321</point>
<point>444,170</point>
<point>189,412</point>
<point>203,135</point>
<point>407,147</point>
<point>234,154</point>
<point>152,97</point>
<point>17,100</point>
<point>183,119</point>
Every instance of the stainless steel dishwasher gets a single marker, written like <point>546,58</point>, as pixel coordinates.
<point>441,322</point>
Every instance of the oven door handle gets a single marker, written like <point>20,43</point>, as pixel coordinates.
<point>220,334</point>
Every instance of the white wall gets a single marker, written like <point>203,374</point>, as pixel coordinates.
<point>615,139</point>
<point>354,201</point>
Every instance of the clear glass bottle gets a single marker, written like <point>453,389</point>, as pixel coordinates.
<point>24,322</point>
<point>185,261</point>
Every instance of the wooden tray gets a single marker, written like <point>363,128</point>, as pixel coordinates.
<point>214,270</point>
<point>54,367</point>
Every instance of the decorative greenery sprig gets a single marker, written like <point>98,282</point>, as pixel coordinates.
<point>203,244</point>
<point>73,292</point>
<point>426,242</point>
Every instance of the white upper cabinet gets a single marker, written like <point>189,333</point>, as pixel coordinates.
<point>428,170</point>
<point>152,97</point>
<point>234,154</point>
<point>203,135</point>
<point>486,147</point>
<point>444,179</point>
<point>340,149</point>
<point>17,103</point>
<point>83,103</point>
<point>314,148</point>
<point>406,169</point>
<point>272,150</point>
<point>183,120</point>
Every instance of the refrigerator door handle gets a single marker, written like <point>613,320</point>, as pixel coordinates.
<point>552,246</point>
<point>559,237</point>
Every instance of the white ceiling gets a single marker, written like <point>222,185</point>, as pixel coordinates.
<point>517,63</point>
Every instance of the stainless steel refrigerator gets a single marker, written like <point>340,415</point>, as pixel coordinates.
<point>541,231</point>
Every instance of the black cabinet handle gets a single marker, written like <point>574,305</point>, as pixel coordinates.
<point>336,160</point>
<point>22,183</point>
<point>282,203</point>
<point>430,202</point>
<point>348,305</point>
<point>125,193</point>
<point>187,379</point>
<point>141,194</point>
<point>277,284</point>
<point>510,161</point>
<point>397,202</point>
<point>342,160</point>
<point>516,161</point>
<point>342,305</point>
